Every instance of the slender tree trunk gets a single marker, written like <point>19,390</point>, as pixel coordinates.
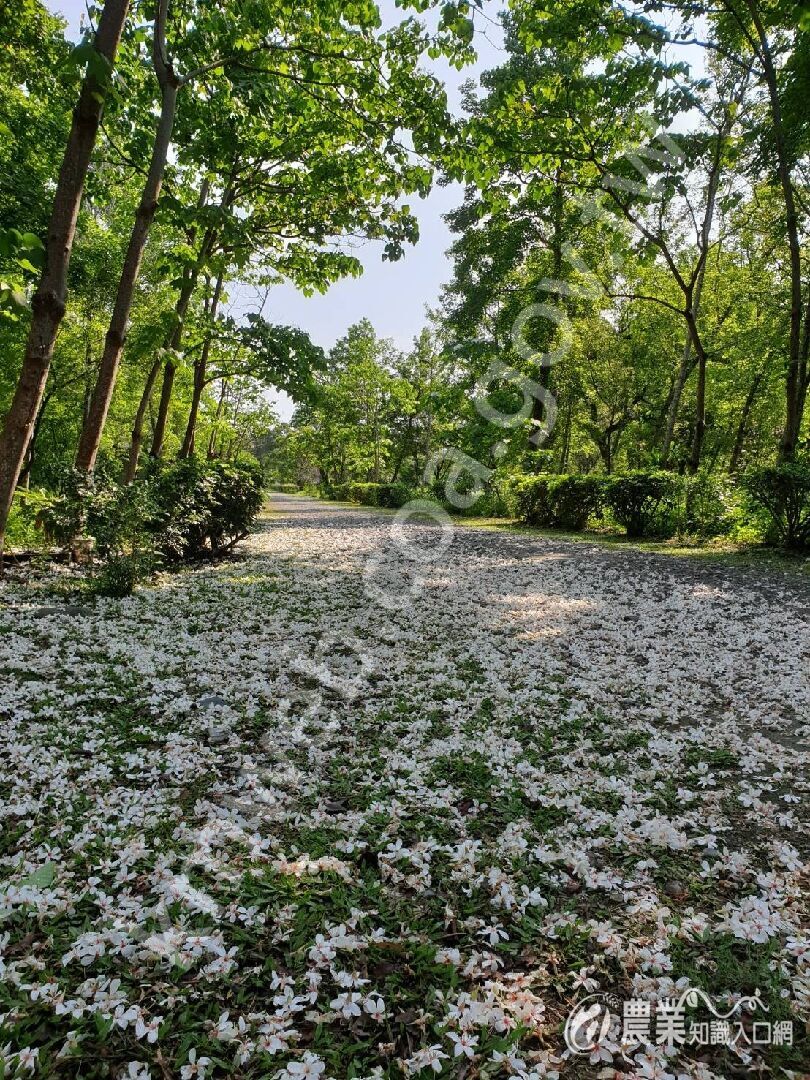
<point>136,439</point>
<point>685,369</point>
<point>693,352</point>
<point>48,304</point>
<point>694,294</point>
<point>170,343</point>
<point>539,411</point>
<point>170,367</point>
<point>700,397</point>
<point>739,439</point>
<point>200,371</point>
<point>25,475</point>
<point>794,395</point>
<point>804,371</point>
<point>220,406</point>
<point>159,434</point>
<point>93,427</point>
<point>566,444</point>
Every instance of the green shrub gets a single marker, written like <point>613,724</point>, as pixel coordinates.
<point>366,494</point>
<point>117,516</point>
<point>393,495</point>
<point>575,499</point>
<point>533,499</point>
<point>710,506</point>
<point>188,509</point>
<point>494,502</point>
<point>338,492</point>
<point>558,501</point>
<point>287,489</point>
<point>203,508</point>
<point>63,516</point>
<point>645,503</point>
<point>24,528</point>
<point>114,514</point>
<point>781,495</point>
<point>121,573</point>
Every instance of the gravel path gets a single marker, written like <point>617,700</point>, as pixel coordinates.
<point>670,639</point>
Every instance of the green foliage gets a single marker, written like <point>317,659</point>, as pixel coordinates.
<point>24,528</point>
<point>203,508</point>
<point>121,573</point>
<point>64,512</point>
<point>782,494</point>
<point>391,496</point>
<point>560,502</point>
<point>710,505</point>
<point>645,503</point>
<point>187,510</point>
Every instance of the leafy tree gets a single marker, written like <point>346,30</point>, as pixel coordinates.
<point>48,303</point>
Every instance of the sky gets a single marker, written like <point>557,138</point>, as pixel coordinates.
<point>393,296</point>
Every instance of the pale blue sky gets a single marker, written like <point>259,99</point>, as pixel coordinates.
<point>392,295</point>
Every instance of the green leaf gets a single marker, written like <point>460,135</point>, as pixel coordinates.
<point>42,878</point>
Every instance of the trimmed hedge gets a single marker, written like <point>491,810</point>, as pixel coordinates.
<point>781,494</point>
<point>645,503</point>
<point>558,501</point>
<point>710,506</point>
<point>773,502</point>
<point>390,496</point>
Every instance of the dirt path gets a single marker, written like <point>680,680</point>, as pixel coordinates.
<point>670,639</point>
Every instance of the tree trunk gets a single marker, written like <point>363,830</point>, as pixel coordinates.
<point>25,475</point>
<point>794,395</point>
<point>136,440</point>
<point>539,412</point>
<point>93,427</point>
<point>685,369</point>
<point>48,304</point>
<point>566,443</point>
<point>173,345</point>
<point>693,352</point>
<point>739,440</point>
<point>159,434</point>
<point>700,398</point>
<point>199,372</point>
<point>220,406</point>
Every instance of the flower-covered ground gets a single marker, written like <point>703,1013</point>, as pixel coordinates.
<point>293,816</point>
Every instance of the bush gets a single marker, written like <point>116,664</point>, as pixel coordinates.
<point>185,510</point>
<point>393,495</point>
<point>492,503</point>
<point>63,516</point>
<point>24,526</point>
<point>203,508</point>
<point>363,493</point>
<point>286,489</point>
<point>121,573</point>
<point>710,506</point>
<point>558,501</point>
<point>368,494</point>
<point>645,503</point>
<point>781,494</point>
